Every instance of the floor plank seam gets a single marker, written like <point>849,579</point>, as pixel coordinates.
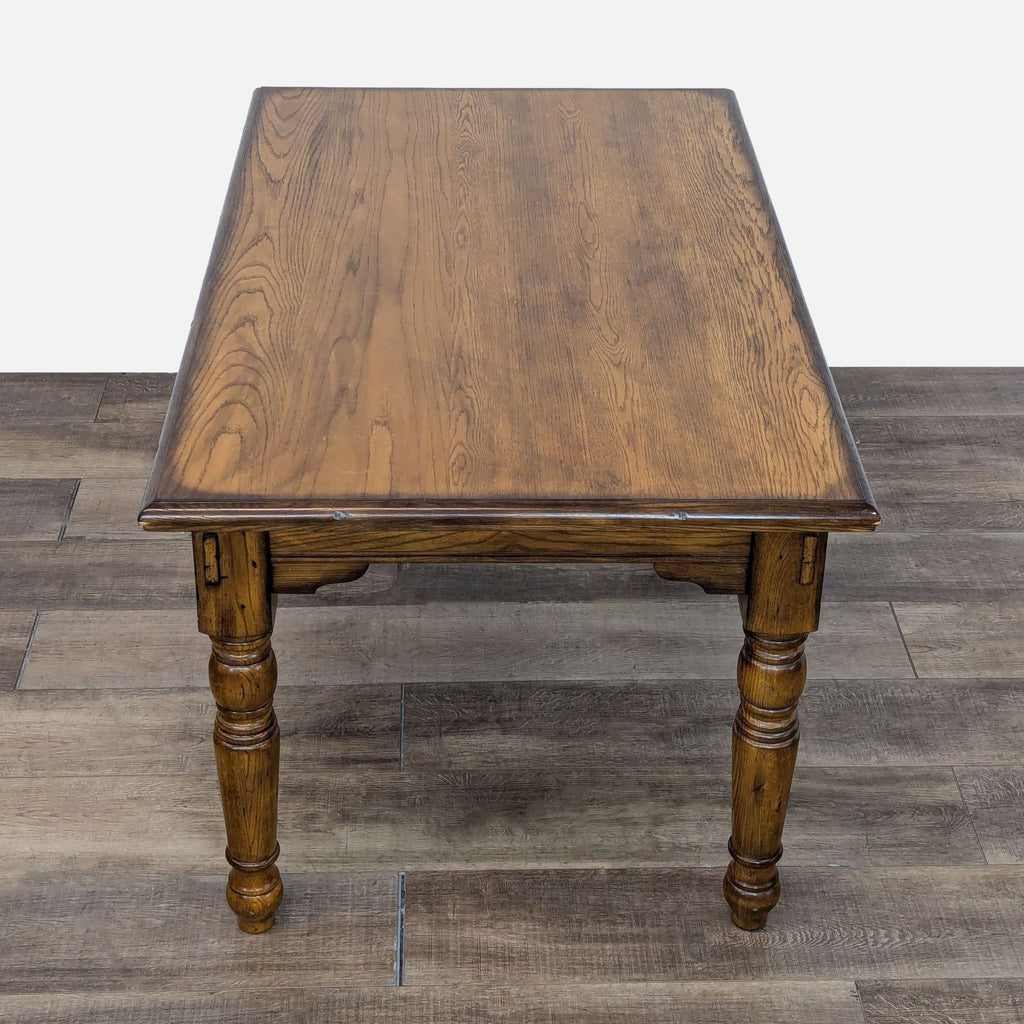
<point>903,639</point>
<point>28,647</point>
<point>400,933</point>
<point>401,727</point>
<point>103,395</point>
<point>67,512</point>
<point>860,1002</point>
<point>970,817</point>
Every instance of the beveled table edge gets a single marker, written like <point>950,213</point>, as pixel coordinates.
<point>838,516</point>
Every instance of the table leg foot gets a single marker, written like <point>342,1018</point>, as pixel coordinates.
<point>254,896</point>
<point>749,920</point>
<point>749,894</point>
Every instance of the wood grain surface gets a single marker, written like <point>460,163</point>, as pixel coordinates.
<point>960,473</point>
<point>932,390</point>
<point>35,509</point>
<point>456,643</point>
<point>908,566</point>
<point>947,1001</point>
<point>703,1002</point>
<point>41,448</point>
<point>994,795</point>
<point>140,397</point>
<point>106,509</point>
<point>957,639</point>
<point>341,818</point>
<point>104,931</point>
<point>509,296</point>
<point>661,924</point>
<point>50,397</point>
<point>167,732</point>
<point>550,725</point>
<point>15,632</point>
<point>87,574</point>
<point>527,726</point>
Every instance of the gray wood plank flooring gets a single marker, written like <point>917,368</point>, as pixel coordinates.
<point>705,1003</point>
<point>529,762</point>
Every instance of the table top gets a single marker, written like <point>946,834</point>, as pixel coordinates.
<point>550,300</point>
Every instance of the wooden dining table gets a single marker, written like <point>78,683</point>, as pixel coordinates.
<point>503,326</point>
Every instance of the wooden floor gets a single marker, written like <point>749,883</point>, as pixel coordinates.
<point>505,791</point>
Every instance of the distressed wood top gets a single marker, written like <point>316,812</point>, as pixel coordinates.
<point>502,299</point>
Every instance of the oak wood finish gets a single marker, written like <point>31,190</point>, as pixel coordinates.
<point>502,296</point>
<point>712,574</point>
<point>506,326</point>
<point>780,610</point>
<point>306,574</point>
<point>715,560</point>
<point>233,588</point>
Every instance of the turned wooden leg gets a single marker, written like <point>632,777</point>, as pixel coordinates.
<point>235,611</point>
<point>780,609</point>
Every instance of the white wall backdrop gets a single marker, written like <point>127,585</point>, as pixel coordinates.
<point>889,134</point>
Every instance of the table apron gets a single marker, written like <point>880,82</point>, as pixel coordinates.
<point>303,560</point>
<point>570,542</point>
